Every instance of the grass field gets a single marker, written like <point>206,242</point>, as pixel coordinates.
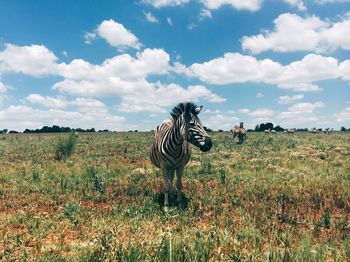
<point>274,198</point>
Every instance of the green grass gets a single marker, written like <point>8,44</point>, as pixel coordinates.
<point>273,198</point>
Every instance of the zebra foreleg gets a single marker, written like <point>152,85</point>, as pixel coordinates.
<point>168,176</point>
<point>179,173</point>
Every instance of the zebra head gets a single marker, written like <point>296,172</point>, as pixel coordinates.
<point>191,127</point>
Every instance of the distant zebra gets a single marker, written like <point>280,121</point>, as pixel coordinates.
<point>290,131</point>
<point>170,149</point>
<point>313,131</point>
<point>240,132</point>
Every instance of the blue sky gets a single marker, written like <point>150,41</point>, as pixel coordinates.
<point>123,65</point>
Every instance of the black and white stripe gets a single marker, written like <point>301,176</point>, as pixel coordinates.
<point>170,149</point>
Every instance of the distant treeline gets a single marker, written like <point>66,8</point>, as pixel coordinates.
<point>57,129</point>
<point>53,129</point>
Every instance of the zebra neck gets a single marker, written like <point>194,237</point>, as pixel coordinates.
<point>175,134</point>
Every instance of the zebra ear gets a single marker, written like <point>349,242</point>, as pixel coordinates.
<point>198,109</point>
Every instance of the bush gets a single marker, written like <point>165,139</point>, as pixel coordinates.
<point>65,146</point>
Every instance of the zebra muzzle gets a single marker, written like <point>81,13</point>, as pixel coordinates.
<point>205,145</point>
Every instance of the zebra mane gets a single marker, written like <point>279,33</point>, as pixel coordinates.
<point>180,108</point>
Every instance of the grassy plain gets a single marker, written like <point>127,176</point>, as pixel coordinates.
<point>274,198</point>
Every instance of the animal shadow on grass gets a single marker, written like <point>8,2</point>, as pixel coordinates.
<point>159,198</point>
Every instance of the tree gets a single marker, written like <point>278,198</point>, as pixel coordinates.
<point>279,129</point>
<point>268,126</point>
<point>207,129</point>
<point>343,129</point>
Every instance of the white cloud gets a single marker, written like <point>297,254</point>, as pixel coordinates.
<point>237,68</point>
<point>164,3</point>
<point>343,118</point>
<point>169,20</point>
<point>219,120</point>
<point>89,37</point>
<point>244,110</point>
<point>3,88</point>
<point>125,76</point>
<point>22,117</point>
<point>117,35</point>
<point>150,18</point>
<point>305,107</point>
<point>259,113</point>
<point>259,95</point>
<point>322,2</point>
<point>84,105</point>
<point>47,101</point>
<point>299,4</point>
<point>166,95</point>
<point>300,115</point>
<point>344,69</point>
<point>234,68</point>
<point>191,26</point>
<point>289,99</point>
<point>34,60</point>
<point>250,5</point>
<point>204,14</point>
<point>295,33</point>
<point>120,68</point>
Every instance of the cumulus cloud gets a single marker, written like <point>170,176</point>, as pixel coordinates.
<point>89,37</point>
<point>300,114</point>
<point>259,95</point>
<point>122,76</point>
<point>237,68</point>
<point>289,99</point>
<point>299,4</point>
<point>150,18</point>
<point>169,21</point>
<point>47,101</point>
<point>166,95</point>
<point>250,5</point>
<point>216,119</point>
<point>295,33</point>
<point>343,117</point>
<point>164,3</point>
<point>344,69</point>
<point>34,60</point>
<point>117,35</point>
<point>258,113</point>
<point>86,105</point>
<point>3,88</point>
<point>22,117</point>
<point>204,14</point>
<point>322,2</point>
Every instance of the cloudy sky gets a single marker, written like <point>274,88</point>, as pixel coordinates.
<point>123,65</point>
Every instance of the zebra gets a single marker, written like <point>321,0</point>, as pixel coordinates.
<point>240,132</point>
<point>170,149</point>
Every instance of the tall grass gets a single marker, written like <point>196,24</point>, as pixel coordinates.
<point>285,199</point>
<point>65,146</point>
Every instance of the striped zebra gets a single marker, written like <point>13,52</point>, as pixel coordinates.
<point>170,150</point>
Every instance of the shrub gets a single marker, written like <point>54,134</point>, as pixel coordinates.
<point>65,146</point>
